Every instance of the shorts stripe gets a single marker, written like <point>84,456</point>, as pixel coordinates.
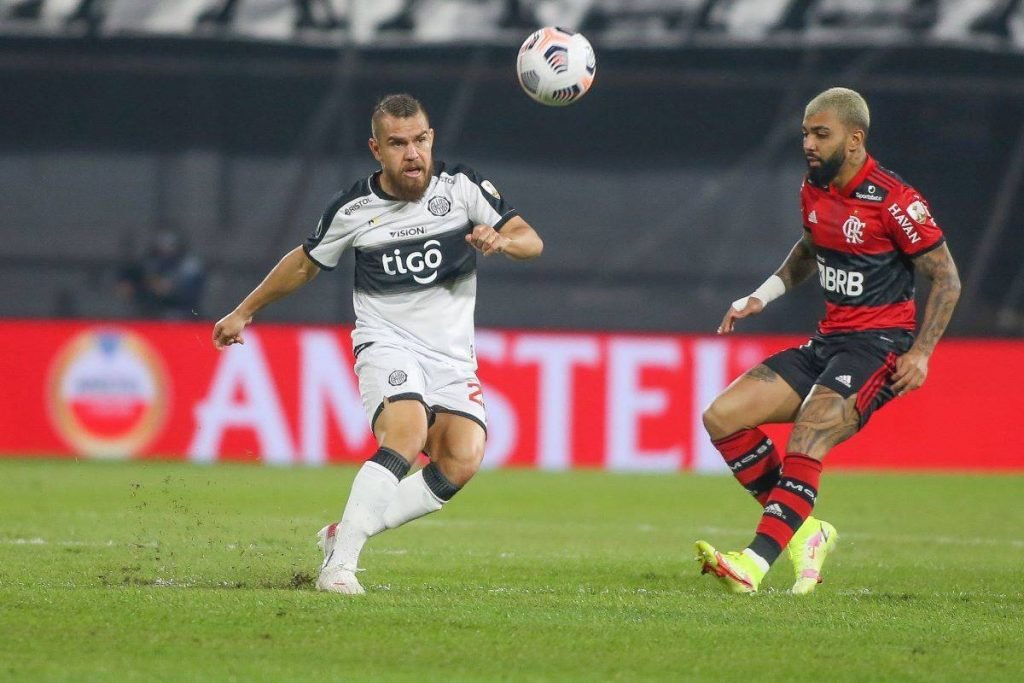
<point>874,384</point>
<point>408,396</point>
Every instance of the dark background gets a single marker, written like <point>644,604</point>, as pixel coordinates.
<point>668,191</point>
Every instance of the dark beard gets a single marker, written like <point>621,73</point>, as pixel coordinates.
<point>828,170</point>
<point>408,191</point>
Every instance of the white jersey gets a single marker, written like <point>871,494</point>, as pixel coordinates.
<point>415,274</point>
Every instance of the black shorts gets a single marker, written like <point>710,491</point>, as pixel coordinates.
<point>858,363</point>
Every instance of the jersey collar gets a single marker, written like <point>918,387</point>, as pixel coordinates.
<point>862,174</point>
<point>378,190</point>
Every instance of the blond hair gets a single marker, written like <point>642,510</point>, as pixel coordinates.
<point>848,105</point>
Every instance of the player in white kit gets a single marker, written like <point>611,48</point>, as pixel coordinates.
<point>416,229</point>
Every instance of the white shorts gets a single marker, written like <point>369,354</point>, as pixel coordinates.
<point>392,372</point>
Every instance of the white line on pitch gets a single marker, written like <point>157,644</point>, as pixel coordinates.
<point>79,544</point>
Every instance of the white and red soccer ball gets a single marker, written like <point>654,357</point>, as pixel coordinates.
<point>556,67</point>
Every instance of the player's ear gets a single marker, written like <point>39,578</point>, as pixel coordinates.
<point>857,139</point>
<point>374,148</point>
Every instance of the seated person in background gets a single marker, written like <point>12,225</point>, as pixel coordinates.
<point>167,282</point>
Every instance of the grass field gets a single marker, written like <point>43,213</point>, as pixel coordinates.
<point>157,571</point>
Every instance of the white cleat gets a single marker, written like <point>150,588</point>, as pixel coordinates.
<point>338,579</point>
<point>335,578</point>
<point>325,539</point>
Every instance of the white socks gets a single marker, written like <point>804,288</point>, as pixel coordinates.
<point>412,499</point>
<point>372,491</point>
<point>378,501</point>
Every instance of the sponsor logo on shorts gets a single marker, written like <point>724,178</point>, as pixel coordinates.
<point>397,378</point>
<point>845,380</point>
<point>812,217</point>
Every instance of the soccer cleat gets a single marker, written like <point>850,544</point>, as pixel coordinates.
<point>335,578</point>
<point>338,579</point>
<point>808,549</point>
<point>737,572</point>
<point>325,539</point>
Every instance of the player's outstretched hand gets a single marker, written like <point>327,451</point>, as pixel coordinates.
<point>228,329</point>
<point>741,308</point>
<point>487,240</point>
<point>911,372</point>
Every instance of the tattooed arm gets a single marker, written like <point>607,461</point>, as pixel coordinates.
<point>912,367</point>
<point>798,266</point>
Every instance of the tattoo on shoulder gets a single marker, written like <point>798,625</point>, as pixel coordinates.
<point>762,373</point>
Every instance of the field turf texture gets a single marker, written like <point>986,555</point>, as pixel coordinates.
<point>155,571</point>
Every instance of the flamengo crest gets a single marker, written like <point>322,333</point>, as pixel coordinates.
<point>853,229</point>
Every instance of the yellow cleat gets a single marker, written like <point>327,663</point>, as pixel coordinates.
<point>808,549</point>
<point>737,572</point>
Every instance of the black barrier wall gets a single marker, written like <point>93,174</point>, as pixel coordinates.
<point>665,193</point>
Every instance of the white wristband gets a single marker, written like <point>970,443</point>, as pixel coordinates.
<point>770,290</point>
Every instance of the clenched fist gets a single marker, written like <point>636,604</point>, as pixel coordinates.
<point>487,240</point>
<point>228,329</point>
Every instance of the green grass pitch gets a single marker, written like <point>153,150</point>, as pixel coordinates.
<point>168,572</point>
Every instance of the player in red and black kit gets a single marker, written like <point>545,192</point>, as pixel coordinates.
<point>865,233</point>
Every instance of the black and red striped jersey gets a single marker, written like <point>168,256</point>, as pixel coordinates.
<point>866,236</point>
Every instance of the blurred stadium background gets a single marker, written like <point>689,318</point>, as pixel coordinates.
<point>233,121</point>
<point>669,190</point>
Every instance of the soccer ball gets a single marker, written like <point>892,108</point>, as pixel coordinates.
<point>556,67</point>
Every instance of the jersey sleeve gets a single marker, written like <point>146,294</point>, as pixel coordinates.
<point>334,233</point>
<point>484,204</point>
<point>910,223</point>
<point>805,209</point>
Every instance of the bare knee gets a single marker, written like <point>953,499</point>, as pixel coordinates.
<point>402,427</point>
<point>758,397</point>
<point>721,418</point>
<point>460,464</point>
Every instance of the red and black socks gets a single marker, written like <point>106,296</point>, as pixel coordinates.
<point>753,460</point>
<point>788,505</point>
